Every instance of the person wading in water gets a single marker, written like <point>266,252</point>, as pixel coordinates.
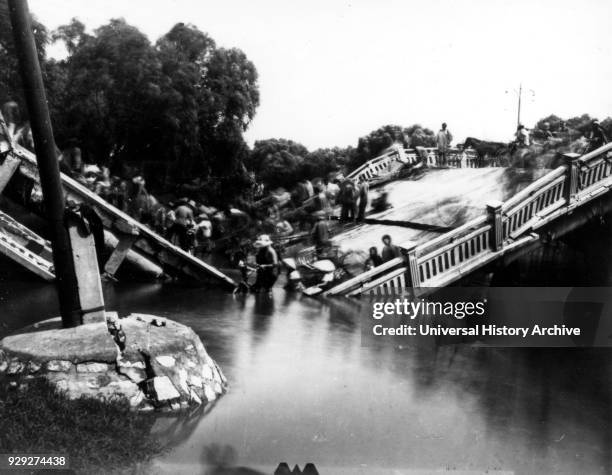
<point>267,264</point>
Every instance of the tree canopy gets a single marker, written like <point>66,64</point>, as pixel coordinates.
<point>174,109</point>
<point>10,82</point>
<point>282,162</point>
<point>378,140</point>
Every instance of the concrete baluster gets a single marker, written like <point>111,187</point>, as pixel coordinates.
<point>573,171</point>
<point>494,210</point>
<point>413,268</point>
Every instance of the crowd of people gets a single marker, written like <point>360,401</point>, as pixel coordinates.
<point>183,222</point>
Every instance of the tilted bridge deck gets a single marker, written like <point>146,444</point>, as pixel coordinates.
<point>140,239</point>
<point>25,247</point>
<point>503,228</point>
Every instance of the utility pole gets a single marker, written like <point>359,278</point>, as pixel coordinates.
<point>518,119</point>
<point>46,158</point>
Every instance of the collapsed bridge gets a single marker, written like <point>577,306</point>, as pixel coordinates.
<point>467,217</point>
<point>125,237</point>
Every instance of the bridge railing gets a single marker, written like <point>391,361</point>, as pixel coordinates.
<point>539,198</point>
<point>505,226</point>
<point>455,158</point>
<point>433,260</point>
<point>376,166</point>
<point>357,282</point>
<point>593,167</point>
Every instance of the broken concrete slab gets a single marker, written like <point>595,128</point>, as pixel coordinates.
<point>90,342</point>
<point>161,366</point>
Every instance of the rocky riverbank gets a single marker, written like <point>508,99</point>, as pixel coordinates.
<point>152,362</point>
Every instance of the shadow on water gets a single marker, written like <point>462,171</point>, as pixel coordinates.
<point>221,460</point>
<point>262,313</point>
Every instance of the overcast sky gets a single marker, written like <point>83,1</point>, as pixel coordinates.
<point>331,71</point>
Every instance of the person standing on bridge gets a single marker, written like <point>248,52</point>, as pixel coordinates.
<point>374,259</point>
<point>363,189</point>
<point>321,235</point>
<point>521,139</point>
<point>443,140</point>
<point>522,136</point>
<point>389,251</point>
<point>348,199</point>
<point>597,136</point>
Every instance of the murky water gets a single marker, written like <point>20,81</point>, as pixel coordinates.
<point>304,389</point>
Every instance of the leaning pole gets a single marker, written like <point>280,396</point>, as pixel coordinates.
<point>46,158</point>
<point>154,363</point>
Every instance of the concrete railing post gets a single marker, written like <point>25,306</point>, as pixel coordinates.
<point>571,183</point>
<point>401,154</point>
<point>414,278</point>
<point>494,210</point>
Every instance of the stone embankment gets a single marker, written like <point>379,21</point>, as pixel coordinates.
<point>153,362</point>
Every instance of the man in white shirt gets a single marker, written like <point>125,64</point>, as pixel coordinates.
<point>443,140</point>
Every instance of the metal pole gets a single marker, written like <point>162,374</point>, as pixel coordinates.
<point>46,158</point>
<point>518,119</point>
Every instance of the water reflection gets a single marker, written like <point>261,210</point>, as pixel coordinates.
<point>303,388</point>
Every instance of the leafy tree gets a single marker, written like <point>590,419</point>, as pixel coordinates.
<point>420,136</point>
<point>576,125</point>
<point>182,52</point>
<point>580,123</point>
<point>378,140</point>
<point>323,161</point>
<point>552,120</point>
<point>277,162</point>
<point>73,35</point>
<point>607,126</point>
<point>210,95</point>
<point>10,80</point>
<point>228,99</point>
<point>113,93</point>
<point>179,106</point>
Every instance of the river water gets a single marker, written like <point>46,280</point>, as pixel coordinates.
<point>304,389</point>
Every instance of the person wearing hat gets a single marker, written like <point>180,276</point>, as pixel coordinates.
<point>267,264</point>
<point>363,189</point>
<point>348,199</point>
<point>443,140</point>
<point>545,131</point>
<point>71,158</point>
<point>320,234</point>
<point>597,136</point>
<point>203,235</point>
<point>183,223</point>
<point>522,136</point>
